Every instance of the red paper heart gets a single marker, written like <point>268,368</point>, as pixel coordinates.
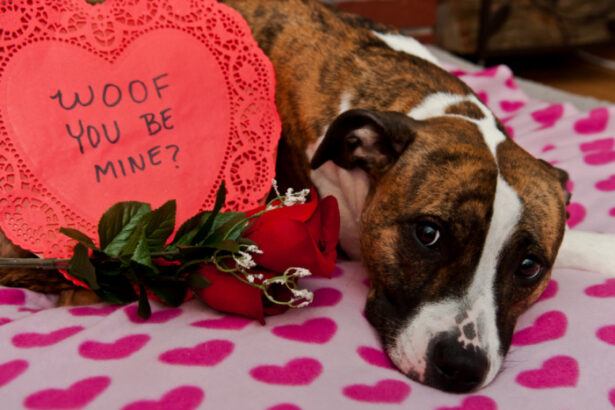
<point>173,99</point>
<point>115,156</point>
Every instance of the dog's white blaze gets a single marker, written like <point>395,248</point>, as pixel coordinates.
<point>507,210</point>
<point>406,44</point>
<point>409,352</point>
<point>436,105</point>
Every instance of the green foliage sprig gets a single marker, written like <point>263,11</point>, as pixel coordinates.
<point>135,253</point>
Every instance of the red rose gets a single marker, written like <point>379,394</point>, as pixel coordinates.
<point>302,235</point>
<point>228,294</point>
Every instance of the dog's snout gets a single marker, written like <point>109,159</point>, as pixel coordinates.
<point>453,367</point>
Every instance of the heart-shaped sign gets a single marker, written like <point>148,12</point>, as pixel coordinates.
<point>144,101</point>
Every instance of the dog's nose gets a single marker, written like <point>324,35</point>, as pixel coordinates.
<point>452,367</point>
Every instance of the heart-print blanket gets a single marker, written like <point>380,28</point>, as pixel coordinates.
<point>327,356</point>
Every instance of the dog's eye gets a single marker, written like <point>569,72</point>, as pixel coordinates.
<point>427,233</point>
<point>530,269</point>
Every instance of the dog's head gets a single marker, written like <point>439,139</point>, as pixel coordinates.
<point>458,232</point>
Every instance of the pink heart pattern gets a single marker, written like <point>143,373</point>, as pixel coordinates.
<point>558,371</point>
<point>30,340</point>
<point>384,391</point>
<point>603,290</point>
<point>297,372</point>
<point>10,296</point>
<point>474,403</point>
<point>548,116</point>
<point>594,123</point>
<point>607,334</point>
<point>92,310</point>
<point>375,357</point>
<point>599,152</point>
<point>209,353</point>
<point>319,331</point>
<point>284,406</point>
<point>326,297</point>
<point>607,184</point>
<point>12,370</point>
<point>180,398</point>
<point>550,291</point>
<point>120,349</point>
<point>576,214</point>
<point>548,326</point>
<point>77,395</point>
<point>510,106</point>
<point>223,323</point>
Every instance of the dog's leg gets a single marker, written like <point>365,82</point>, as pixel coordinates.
<point>588,251</point>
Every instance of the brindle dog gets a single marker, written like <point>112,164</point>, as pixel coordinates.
<point>457,225</point>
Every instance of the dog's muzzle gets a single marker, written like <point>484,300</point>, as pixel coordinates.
<point>453,367</point>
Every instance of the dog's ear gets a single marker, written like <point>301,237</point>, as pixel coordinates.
<point>562,176</point>
<point>371,140</point>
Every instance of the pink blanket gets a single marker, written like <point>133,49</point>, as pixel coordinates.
<point>327,356</point>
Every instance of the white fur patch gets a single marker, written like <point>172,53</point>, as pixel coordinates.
<point>436,105</point>
<point>349,187</point>
<point>406,44</point>
<point>587,251</point>
<point>507,210</point>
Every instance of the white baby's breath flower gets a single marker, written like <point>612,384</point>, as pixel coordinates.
<point>292,198</point>
<point>278,279</point>
<point>254,249</point>
<point>250,278</point>
<point>244,260</point>
<point>274,184</point>
<point>298,272</point>
<point>302,294</point>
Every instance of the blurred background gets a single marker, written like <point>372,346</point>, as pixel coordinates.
<point>566,44</point>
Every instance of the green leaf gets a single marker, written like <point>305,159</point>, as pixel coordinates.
<point>118,224</point>
<point>142,254</point>
<point>81,267</point>
<point>204,230</point>
<point>197,282</point>
<point>161,226</point>
<point>145,310</point>
<point>186,232</point>
<point>79,237</point>
<point>227,226</point>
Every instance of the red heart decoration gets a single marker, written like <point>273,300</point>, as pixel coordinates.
<point>131,103</point>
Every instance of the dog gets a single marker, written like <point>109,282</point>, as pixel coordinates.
<point>457,226</point>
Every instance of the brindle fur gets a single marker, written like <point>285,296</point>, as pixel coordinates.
<point>448,171</point>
